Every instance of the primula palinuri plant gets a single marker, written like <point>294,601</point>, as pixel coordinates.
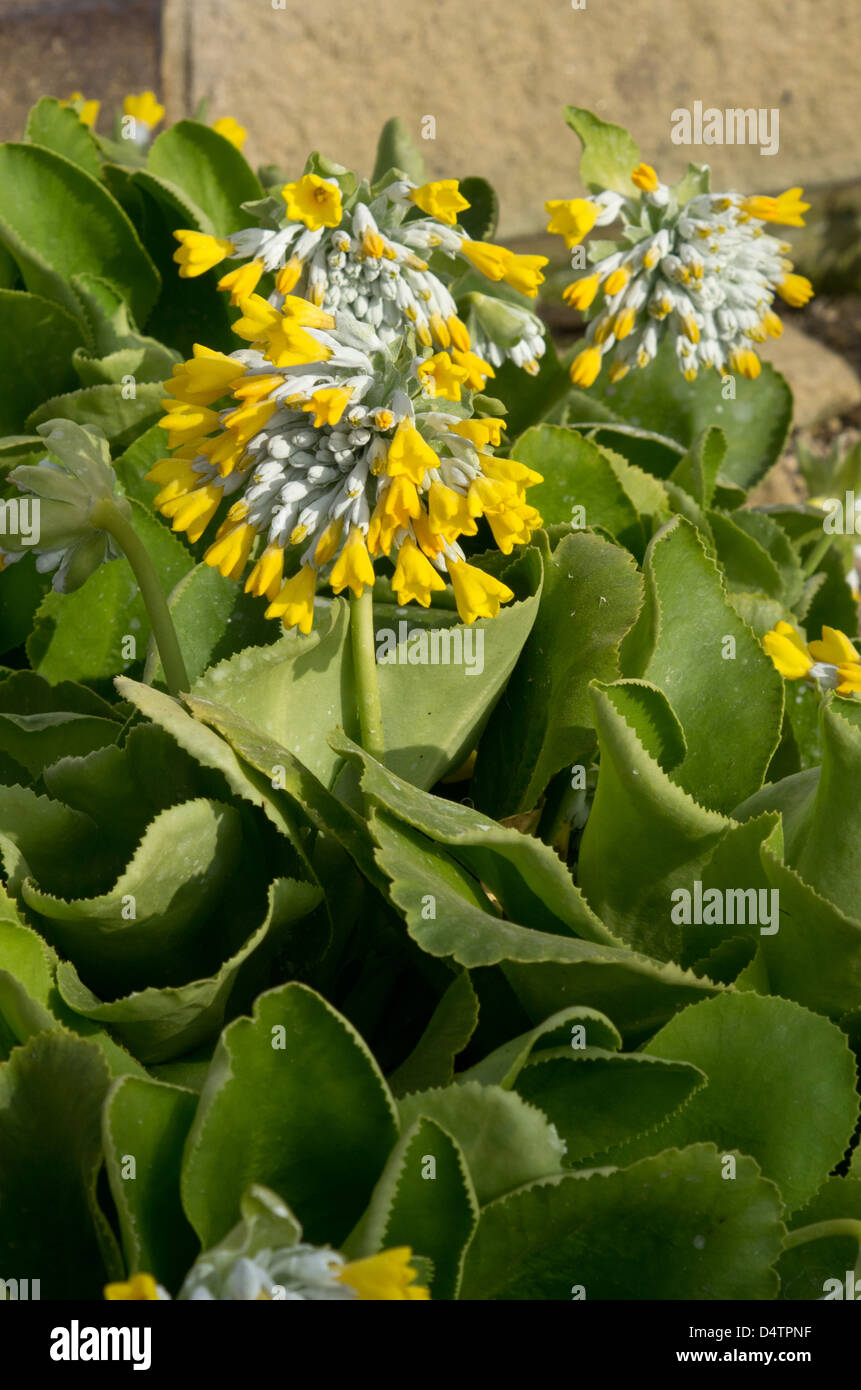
<point>368,250</point>
<point>336,449</point>
<point>700,270</point>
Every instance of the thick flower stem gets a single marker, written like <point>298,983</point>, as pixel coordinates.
<point>365,668</point>
<point>105,516</point>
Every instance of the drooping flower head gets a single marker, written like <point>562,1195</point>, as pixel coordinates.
<point>335,449</point>
<point>367,251</point>
<point>702,271</point>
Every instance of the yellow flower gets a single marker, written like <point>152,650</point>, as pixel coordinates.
<point>786,209</point>
<point>199,252</point>
<point>490,260</point>
<point>230,550</point>
<point>314,201</point>
<point>193,512</point>
<point>328,405</point>
<point>477,595</point>
<point>477,369</point>
<point>586,366</point>
<point>581,293</point>
<point>288,276</point>
<point>295,603</point>
<point>243,281</point>
<point>788,652</point>
<point>145,107</point>
<point>616,281</point>
<point>88,111</point>
<point>409,455</point>
<point>267,575</point>
<point>415,577</point>
<point>479,432</point>
<point>645,178</point>
<point>396,506</point>
<point>449,514</point>
<point>205,377</point>
<point>386,1276</point>
<point>523,273</point>
<point>509,470</point>
<point>746,362</point>
<point>835,648</point>
<point>141,1288</point>
<point>353,568</point>
<point>795,290</point>
<point>327,545</point>
<point>440,377</point>
<point>184,421</point>
<point>231,130</point>
<point>441,199</point>
<point>572,218</point>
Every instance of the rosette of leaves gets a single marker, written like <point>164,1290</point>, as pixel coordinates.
<point>150,894</point>
<point>550,1166</point>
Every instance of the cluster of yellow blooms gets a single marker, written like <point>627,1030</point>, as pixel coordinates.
<point>368,253</point>
<point>335,455</point>
<point>704,275</point>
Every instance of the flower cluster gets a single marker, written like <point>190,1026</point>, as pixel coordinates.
<point>703,273</point>
<point>294,1273</point>
<point>833,664</point>
<point>369,254</point>
<point>333,451</point>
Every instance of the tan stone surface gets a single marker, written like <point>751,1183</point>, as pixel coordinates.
<point>55,47</point>
<point>496,75</point>
<point>823,384</point>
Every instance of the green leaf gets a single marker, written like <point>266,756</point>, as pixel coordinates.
<point>36,740</point>
<point>432,1210</point>
<point>645,836</point>
<point>503,1066</point>
<point>60,128</point>
<point>59,222</point>
<point>597,1099</point>
<point>609,155</point>
<point>667,1228</point>
<point>158,1025</point>
<point>30,1003</point>
<point>214,620</point>
<point>155,926</point>
<point>505,1141</point>
<point>590,598</point>
<point>805,1269</point>
<point>51,1093</point>
<point>756,422</point>
<point>21,591</point>
<point>293,1100</point>
<point>480,219</point>
<point>781,1087</point>
<point>695,181</point>
<point>37,340</point>
<point>108,407</point>
<point>209,170</point>
<point>81,636</point>
<point>697,471</point>
<point>148,1122</point>
<point>577,474</point>
<point>396,150</point>
<point>691,628</point>
<point>448,915</point>
<point>431,1062</point>
<point>527,398</point>
<point>829,853</point>
<point>523,873</point>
